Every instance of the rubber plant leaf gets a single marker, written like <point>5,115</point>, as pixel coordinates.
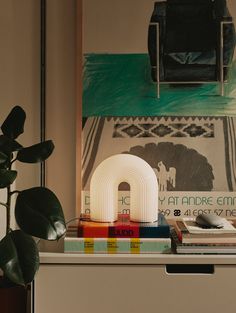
<point>39,213</point>
<point>8,145</point>
<point>36,153</point>
<point>13,125</point>
<point>3,157</point>
<point>19,257</point>
<point>7,177</point>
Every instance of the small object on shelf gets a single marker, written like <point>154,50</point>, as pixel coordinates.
<point>210,221</point>
<point>202,238</point>
<point>194,228</point>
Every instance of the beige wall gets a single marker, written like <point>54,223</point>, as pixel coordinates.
<point>61,107</point>
<point>61,91</point>
<point>114,26</point>
<point>20,71</point>
<point>20,84</point>
<point>20,77</point>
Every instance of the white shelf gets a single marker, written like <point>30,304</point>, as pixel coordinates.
<point>96,283</point>
<point>158,259</point>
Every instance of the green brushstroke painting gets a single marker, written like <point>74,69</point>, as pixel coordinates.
<point>120,85</point>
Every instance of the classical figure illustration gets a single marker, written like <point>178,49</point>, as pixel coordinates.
<point>164,176</point>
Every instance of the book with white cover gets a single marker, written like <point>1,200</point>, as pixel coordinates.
<point>194,228</point>
<point>117,245</point>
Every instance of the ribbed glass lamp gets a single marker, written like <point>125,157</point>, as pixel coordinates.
<point>143,189</point>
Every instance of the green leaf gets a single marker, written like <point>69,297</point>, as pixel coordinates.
<point>7,145</point>
<point>39,213</point>
<point>19,257</point>
<point>7,177</point>
<point>13,125</point>
<point>3,157</point>
<point>36,153</point>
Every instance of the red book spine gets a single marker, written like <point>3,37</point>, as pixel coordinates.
<point>94,232</point>
<point>122,231</point>
<point>119,231</point>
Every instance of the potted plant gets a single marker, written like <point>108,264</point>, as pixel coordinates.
<point>38,213</point>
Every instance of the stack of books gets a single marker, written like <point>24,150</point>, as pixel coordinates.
<point>122,236</point>
<point>190,238</point>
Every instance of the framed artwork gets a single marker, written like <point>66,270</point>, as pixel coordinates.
<point>159,82</point>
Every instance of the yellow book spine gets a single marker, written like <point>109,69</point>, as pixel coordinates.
<point>88,245</point>
<point>135,245</point>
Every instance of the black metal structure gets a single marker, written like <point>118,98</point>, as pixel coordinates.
<point>43,12</point>
<point>43,17</point>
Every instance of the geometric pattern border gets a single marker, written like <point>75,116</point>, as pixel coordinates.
<point>160,130</point>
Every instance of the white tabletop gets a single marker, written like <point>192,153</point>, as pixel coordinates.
<point>155,259</point>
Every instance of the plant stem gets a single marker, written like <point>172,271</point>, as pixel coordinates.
<point>8,206</point>
<point>13,161</point>
<point>3,204</point>
<point>13,192</point>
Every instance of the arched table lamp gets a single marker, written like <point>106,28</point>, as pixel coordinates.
<point>143,189</point>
